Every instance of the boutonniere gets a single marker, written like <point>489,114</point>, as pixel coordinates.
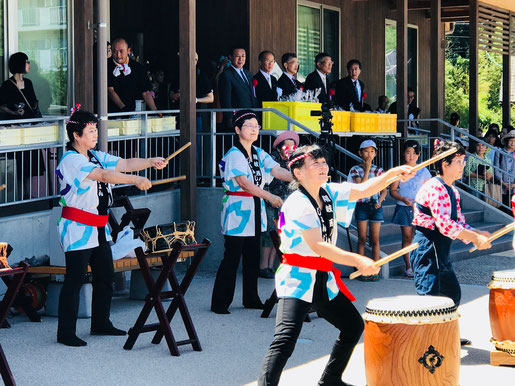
<point>331,93</point>
<point>254,84</point>
<point>364,95</point>
<point>301,87</point>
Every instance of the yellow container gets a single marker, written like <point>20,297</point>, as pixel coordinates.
<point>131,127</point>
<point>113,131</point>
<point>39,134</point>
<point>156,125</point>
<point>10,137</point>
<point>363,122</point>
<point>387,123</point>
<point>299,111</point>
<point>341,120</point>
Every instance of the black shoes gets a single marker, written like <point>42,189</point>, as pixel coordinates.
<point>465,342</point>
<point>112,331</point>
<point>220,311</point>
<point>72,341</point>
<point>257,305</point>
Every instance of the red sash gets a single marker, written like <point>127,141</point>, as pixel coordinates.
<point>242,194</point>
<point>320,264</point>
<point>84,217</point>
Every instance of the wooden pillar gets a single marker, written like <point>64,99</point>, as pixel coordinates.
<point>83,53</point>
<point>506,77</point>
<point>436,88</point>
<point>402,65</point>
<point>102,23</point>
<point>187,82</point>
<point>473,67</point>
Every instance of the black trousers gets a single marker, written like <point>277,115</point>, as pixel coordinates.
<point>225,282</point>
<point>101,261</point>
<point>291,312</point>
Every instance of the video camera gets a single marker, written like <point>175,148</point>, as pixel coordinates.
<point>326,124</point>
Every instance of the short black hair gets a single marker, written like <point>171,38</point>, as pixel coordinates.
<point>493,126</point>
<point>240,116</point>
<point>78,121</point>
<point>443,146</point>
<point>410,89</point>
<point>321,57</point>
<point>352,62</point>
<point>412,143</point>
<point>455,117</point>
<point>381,98</point>
<point>262,54</point>
<point>234,48</point>
<point>120,39</point>
<point>287,56</point>
<point>17,63</point>
<point>315,151</point>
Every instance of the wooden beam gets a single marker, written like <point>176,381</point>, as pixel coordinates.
<point>421,5</point>
<point>402,65</point>
<point>187,82</point>
<point>473,67</point>
<point>83,55</point>
<point>506,78</point>
<point>436,87</point>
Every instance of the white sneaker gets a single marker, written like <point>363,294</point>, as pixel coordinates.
<point>409,272</point>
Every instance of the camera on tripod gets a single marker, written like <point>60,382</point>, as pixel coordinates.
<point>326,123</point>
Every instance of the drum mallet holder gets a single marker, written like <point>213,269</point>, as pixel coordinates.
<point>426,163</point>
<point>177,152</point>
<point>501,232</point>
<point>387,259</point>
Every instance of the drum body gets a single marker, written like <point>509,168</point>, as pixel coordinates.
<point>160,238</point>
<point>412,340</point>
<point>502,310</point>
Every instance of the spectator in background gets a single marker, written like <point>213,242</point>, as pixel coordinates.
<point>109,51</point>
<point>266,87</point>
<point>288,81</point>
<point>454,119</point>
<point>350,91</point>
<point>41,87</point>
<point>160,89</point>
<point>505,167</point>
<point>495,127</point>
<point>318,78</point>
<point>492,137</point>
<point>506,129</point>
<point>235,85</point>
<point>382,104</point>
<point>413,110</point>
<point>127,80</point>
<point>478,169</point>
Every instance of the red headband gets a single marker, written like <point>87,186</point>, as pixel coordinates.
<point>73,110</point>
<point>299,157</point>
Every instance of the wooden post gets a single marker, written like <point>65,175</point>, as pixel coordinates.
<point>436,88</point>
<point>101,26</point>
<point>506,77</point>
<point>402,65</point>
<point>83,54</point>
<point>187,82</point>
<point>473,67</point>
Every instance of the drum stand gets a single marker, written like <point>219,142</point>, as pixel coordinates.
<point>499,358</point>
<point>155,296</point>
<point>18,274</point>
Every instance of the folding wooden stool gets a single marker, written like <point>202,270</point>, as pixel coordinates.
<point>18,274</point>
<point>155,296</point>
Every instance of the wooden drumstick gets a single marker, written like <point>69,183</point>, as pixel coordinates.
<point>177,152</point>
<point>2,187</point>
<point>426,163</point>
<point>387,259</point>
<point>501,232</point>
<point>159,182</point>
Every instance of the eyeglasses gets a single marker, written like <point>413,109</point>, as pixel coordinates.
<point>458,162</point>
<point>252,127</point>
<point>268,61</point>
<point>327,62</point>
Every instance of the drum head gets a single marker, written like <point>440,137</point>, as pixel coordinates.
<point>503,279</point>
<point>412,309</point>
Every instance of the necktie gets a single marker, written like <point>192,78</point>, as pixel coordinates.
<point>356,88</point>
<point>242,74</point>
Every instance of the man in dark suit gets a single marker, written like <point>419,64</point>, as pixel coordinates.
<point>266,87</point>
<point>351,90</point>
<point>288,82</point>
<point>412,106</point>
<point>318,78</point>
<point>235,85</point>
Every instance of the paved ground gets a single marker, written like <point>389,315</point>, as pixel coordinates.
<point>234,345</point>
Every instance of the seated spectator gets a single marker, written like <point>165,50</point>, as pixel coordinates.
<point>127,80</point>
<point>492,137</point>
<point>506,129</point>
<point>288,81</point>
<point>495,127</point>
<point>318,78</point>
<point>266,87</point>
<point>478,169</point>
<point>350,91</point>
<point>413,110</point>
<point>505,167</point>
<point>382,104</point>
<point>454,119</point>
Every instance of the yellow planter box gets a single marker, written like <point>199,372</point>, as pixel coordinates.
<point>363,122</point>
<point>387,123</point>
<point>156,125</point>
<point>299,111</point>
<point>131,127</point>
<point>10,137</point>
<point>40,134</point>
<point>341,120</point>
<point>113,131</point>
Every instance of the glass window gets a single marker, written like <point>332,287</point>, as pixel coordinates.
<point>2,48</point>
<point>318,30</point>
<point>391,59</point>
<point>41,31</point>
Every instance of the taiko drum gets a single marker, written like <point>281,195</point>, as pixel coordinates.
<point>502,310</point>
<point>412,340</point>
